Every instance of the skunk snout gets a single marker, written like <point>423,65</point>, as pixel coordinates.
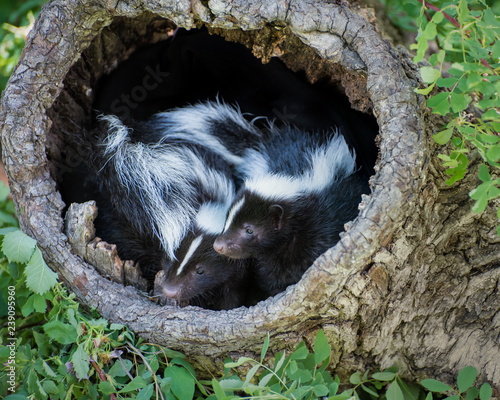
<point>220,245</point>
<point>171,292</point>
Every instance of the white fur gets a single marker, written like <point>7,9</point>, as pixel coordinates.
<point>255,164</point>
<point>233,211</point>
<point>327,163</point>
<point>194,245</point>
<point>193,124</point>
<point>212,216</point>
<point>166,179</point>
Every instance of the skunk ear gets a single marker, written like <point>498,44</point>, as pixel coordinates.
<point>276,212</point>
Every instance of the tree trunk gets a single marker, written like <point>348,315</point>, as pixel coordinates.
<point>413,281</point>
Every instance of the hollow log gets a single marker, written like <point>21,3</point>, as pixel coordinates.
<point>414,280</point>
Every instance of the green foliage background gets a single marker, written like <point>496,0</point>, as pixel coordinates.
<point>16,17</point>
<point>62,352</point>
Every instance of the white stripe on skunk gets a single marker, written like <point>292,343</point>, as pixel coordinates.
<point>327,163</point>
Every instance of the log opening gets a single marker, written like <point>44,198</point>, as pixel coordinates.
<point>187,68</point>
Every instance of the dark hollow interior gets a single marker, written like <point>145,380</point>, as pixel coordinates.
<point>138,67</point>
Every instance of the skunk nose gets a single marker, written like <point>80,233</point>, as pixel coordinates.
<point>170,292</point>
<point>219,246</point>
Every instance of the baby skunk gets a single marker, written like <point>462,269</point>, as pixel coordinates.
<point>200,276</point>
<point>154,175</point>
<point>304,187</point>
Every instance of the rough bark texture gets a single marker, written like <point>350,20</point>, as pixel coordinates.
<point>414,280</point>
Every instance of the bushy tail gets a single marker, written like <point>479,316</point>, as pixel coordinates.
<point>158,184</point>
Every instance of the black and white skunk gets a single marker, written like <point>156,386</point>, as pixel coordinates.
<point>304,188</point>
<point>154,175</point>
<point>202,277</point>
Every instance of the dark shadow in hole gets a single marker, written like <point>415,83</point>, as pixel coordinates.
<point>195,66</point>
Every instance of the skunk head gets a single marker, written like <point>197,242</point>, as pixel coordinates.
<point>198,272</point>
<point>195,271</point>
<point>253,225</point>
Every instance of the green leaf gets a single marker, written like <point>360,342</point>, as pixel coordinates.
<point>435,386</point>
<point>490,139</point>
<point>49,371</point>
<point>480,205</point>
<point>443,137</point>
<point>491,115</point>
<point>241,361</point>
<point>183,384</point>
<point>427,34</point>
<point>231,384</point>
<point>446,82</point>
<point>320,390</point>
<point>480,194</point>
<point>50,387</point>
<point>429,74</point>
<point>495,50</point>
<point>137,383</point>
<point>384,376</point>
<point>484,174</point>
<point>218,391</point>
<point>466,378</point>
<point>302,375</point>
<point>459,102</point>
<point>28,307</point>
<point>5,231</point>
<point>437,17</point>
<point>279,364</point>
<point>252,373</point>
<point>8,219</point>
<point>485,392</point>
<point>355,378</point>
<point>342,396</point>
<point>60,332</point>
<point>300,352</point>
<point>264,348</point>
<point>39,277</point>
<point>394,392</point>
<point>16,396</point>
<point>265,380</point>
<point>472,393</point>
<point>369,391</point>
<point>106,388</point>
<point>430,31</point>
<point>18,247</point>
<point>425,91</point>
<point>4,192</point>
<point>39,303</point>
<point>118,370</point>
<point>146,393</point>
<point>439,103</point>
<point>81,362</point>
<point>322,349</point>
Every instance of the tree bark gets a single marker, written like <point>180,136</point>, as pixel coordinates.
<point>413,281</point>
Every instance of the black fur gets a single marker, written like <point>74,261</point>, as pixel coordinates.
<point>285,235</point>
<point>208,279</point>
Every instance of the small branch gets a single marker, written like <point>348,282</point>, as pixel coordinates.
<point>102,376</point>
<point>455,23</point>
<point>138,353</point>
<point>437,9</point>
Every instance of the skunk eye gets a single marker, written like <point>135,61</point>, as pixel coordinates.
<point>200,271</point>
<point>249,231</point>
